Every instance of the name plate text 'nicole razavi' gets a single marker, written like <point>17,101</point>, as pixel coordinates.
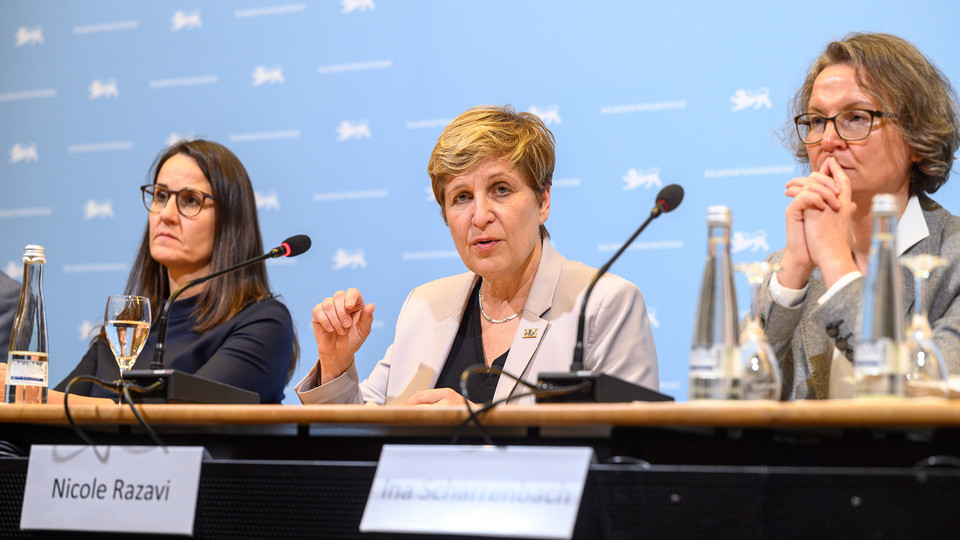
<point>477,490</point>
<point>127,489</point>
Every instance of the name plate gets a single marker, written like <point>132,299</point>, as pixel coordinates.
<point>126,489</point>
<point>477,490</point>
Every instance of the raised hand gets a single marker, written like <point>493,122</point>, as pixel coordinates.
<point>341,323</point>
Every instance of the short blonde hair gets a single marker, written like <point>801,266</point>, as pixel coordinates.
<point>491,132</point>
<point>904,82</point>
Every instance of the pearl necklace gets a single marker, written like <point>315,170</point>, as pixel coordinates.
<point>489,318</point>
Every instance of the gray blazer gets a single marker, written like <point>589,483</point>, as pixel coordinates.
<point>618,336</point>
<point>804,336</point>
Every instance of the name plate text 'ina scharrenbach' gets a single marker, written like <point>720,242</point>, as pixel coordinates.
<point>477,490</point>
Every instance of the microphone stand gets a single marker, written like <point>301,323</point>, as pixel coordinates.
<point>583,386</point>
<point>158,350</point>
<point>577,364</point>
<point>180,387</point>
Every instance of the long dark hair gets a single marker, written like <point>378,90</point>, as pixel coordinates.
<point>236,239</point>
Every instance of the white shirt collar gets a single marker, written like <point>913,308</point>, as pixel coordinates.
<point>911,227</point>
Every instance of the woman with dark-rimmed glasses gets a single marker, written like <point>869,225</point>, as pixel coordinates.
<point>202,217</point>
<point>873,116</point>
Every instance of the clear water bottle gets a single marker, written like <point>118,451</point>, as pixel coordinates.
<point>714,354</point>
<point>26,379</point>
<point>877,369</point>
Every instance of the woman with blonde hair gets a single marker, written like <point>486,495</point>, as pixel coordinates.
<point>517,307</point>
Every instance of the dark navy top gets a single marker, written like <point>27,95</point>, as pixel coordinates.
<point>250,351</point>
<point>467,351</point>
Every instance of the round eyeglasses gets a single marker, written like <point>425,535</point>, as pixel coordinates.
<point>189,201</point>
<point>852,125</point>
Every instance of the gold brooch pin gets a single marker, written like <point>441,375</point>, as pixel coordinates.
<point>529,332</point>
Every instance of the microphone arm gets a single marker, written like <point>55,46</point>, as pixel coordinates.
<point>577,364</point>
<point>158,350</point>
<point>290,247</point>
<point>582,386</point>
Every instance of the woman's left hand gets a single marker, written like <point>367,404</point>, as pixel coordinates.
<point>829,232</point>
<point>436,396</point>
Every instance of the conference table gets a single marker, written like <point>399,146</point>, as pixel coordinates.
<point>744,469</point>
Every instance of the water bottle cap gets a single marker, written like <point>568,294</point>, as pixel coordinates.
<point>884,204</point>
<point>719,216</point>
<point>34,254</point>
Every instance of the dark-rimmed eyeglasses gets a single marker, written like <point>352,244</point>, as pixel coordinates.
<point>189,201</point>
<point>852,125</point>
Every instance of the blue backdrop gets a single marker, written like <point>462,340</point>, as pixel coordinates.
<point>334,108</point>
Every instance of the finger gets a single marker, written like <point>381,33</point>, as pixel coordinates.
<point>799,182</point>
<point>843,181</point>
<point>825,167</point>
<point>826,194</point>
<point>334,313</point>
<point>820,183</point>
<point>424,397</point>
<point>320,317</point>
<point>339,304</point>
<point>826,184</point>
<point>353,301</point>
<point>826,180</point>
<point>807,200</point>
<point>352,307</point>
<point>833,169</point>
<point>365,320</point>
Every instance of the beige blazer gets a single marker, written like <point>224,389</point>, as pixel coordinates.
<point>618,338</point>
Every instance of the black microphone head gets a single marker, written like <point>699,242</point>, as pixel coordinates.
<point>669,197</point>
<point>295,245</point>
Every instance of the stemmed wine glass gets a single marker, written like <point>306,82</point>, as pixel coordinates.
<point>926,372</point>
<point>127,325</point>
<point>760,373</point>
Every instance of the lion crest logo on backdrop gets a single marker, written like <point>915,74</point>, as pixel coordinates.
<point>29,36</point>
<point>758,99</point>
<point>349,259</point>
<point>182,20</point>
<point>645,178</point>
<point>20,153</point>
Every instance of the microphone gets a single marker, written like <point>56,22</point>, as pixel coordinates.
<point>191,388</point>
<point>291,247</point>
<point>615,389</point>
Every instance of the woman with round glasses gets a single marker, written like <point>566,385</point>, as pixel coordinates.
<point>873,116</point>
<point>203,218</point>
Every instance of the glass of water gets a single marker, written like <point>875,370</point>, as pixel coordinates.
<point>926,370</point>
<point>760,375</point>
<point>126,322</point>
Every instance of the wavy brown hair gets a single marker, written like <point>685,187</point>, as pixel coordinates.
<point>236,239</point>
<point>906,83</point>
<point>490,132</point>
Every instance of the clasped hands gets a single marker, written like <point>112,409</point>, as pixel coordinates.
<point>820,231</point>
<point>341,323</point>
